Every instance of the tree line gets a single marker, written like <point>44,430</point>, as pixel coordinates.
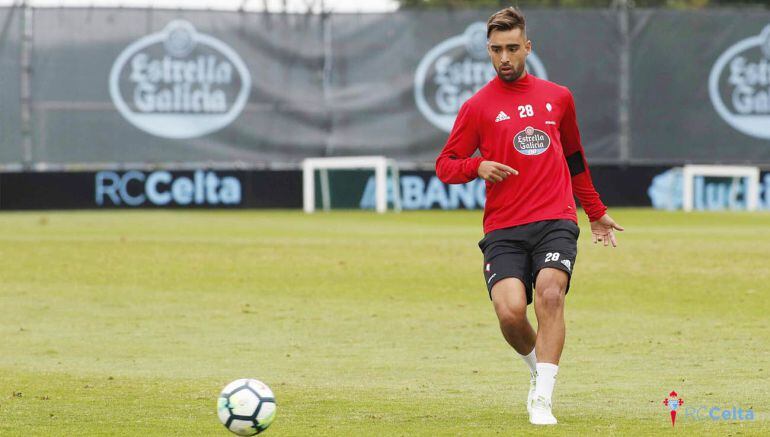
<point>675,4</point>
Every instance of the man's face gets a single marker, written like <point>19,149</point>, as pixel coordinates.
<point>508,50</point>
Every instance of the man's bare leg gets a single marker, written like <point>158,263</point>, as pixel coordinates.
<point>549,309</point>
<point>510,301</point>
<point>550,290</point>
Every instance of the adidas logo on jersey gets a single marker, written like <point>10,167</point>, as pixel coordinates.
<point>567,264</point>
<point>502,116</point>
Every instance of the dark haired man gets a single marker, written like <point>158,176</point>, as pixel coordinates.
<point>532,160</point>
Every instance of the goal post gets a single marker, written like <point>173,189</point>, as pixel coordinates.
<point>379,164</point>
<point>751,174</point>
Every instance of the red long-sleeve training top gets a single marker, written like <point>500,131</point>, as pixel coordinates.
<point>530,125</point>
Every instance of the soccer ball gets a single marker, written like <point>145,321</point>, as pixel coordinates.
<point>246,406</point>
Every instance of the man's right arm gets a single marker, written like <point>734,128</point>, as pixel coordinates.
<point>455,165</point>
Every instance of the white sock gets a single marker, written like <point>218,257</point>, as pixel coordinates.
<point>546,378</point>
<point>531,361</point>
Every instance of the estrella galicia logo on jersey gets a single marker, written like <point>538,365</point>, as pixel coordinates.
<point>452,71</point>
<point>531,141</point>
<point>179,83</point>
<point>739,85</point>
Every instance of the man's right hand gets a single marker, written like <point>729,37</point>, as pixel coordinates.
<point>494,172</point>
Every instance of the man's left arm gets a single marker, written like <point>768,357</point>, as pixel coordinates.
<point>602,225</point>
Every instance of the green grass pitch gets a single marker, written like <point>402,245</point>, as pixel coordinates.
<point>129,323</point>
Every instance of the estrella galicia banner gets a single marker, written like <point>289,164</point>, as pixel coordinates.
<point>401,98</point>
<point>452,71</point>
<point>739,85</point>
<point>706,97</point>
<point>215,88</point>
<point>179,83</point>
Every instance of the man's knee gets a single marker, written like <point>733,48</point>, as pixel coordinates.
<point>549,296</point>
<point>511,314</point>
<point>550,288</point>
<point>510,301</point>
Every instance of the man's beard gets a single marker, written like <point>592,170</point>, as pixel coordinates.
<point>512,76</point>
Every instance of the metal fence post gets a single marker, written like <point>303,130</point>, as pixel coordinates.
<point>26,83</point>
<point>624,91</point>
<point>328,66</point>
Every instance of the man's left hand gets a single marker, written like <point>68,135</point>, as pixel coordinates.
<point>604,230</point>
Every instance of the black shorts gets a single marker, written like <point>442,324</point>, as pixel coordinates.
<point>522,251</point>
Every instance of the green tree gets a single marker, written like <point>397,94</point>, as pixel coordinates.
<point>486,4</point>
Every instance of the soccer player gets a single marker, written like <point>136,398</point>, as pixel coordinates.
<point>531,158</point>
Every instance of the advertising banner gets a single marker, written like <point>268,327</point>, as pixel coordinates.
<point>701,94</point>
<point>129,189</point>
<point>11,149</point>
<point>211,88</point>
<point>657,186</point>
<point>398,80</point>
<point>173,86</point>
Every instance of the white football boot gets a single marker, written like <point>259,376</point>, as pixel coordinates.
<point>540,412</point>
<point>531,394</point>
